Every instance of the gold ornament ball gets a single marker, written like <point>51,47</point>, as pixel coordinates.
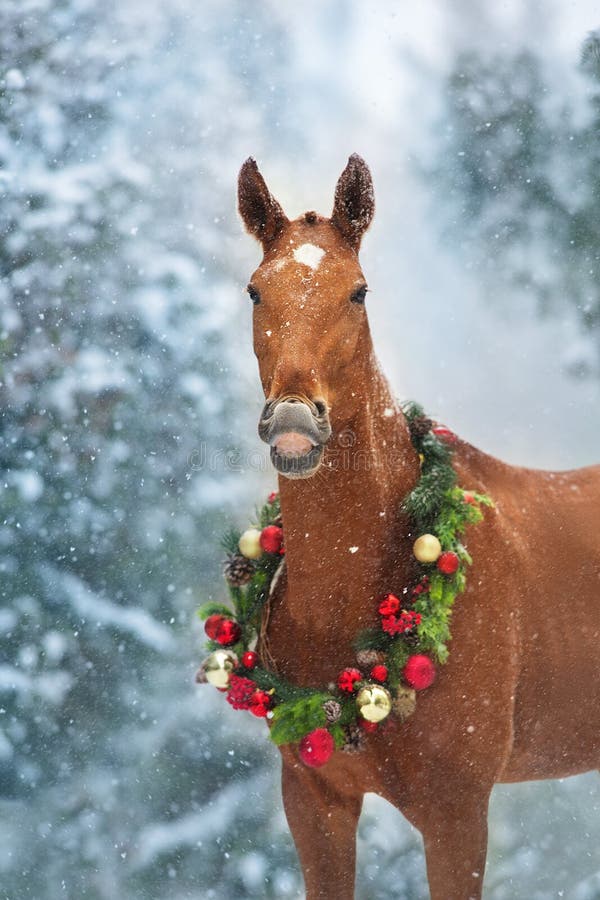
<point>249,544</point>
<point>374,702</point>
<point>218,667</point>
<point>427,548</point>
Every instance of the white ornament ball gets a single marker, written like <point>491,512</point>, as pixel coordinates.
<point>427,548</point>
<point>249,544</point>
<point>218,667</point>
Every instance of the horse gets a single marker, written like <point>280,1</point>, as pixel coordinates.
<point>519,697</point>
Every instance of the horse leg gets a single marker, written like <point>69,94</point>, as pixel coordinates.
<point>323,824</point>
<point>455,837</point>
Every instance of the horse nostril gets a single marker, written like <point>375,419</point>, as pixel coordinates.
<point>320,407</point>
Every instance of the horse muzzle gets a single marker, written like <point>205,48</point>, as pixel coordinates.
<point>297,431</point>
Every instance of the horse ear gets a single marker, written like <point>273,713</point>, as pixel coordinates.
<point>354,202</point>
<point>262,214</point>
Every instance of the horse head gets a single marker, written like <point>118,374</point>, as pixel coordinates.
<point>308,295</point>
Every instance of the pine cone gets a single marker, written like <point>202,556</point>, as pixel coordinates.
<point>332,710</point>
<point>238,570</point>
<point>355,739</point>
<point>200,676</point>
<point>419,427</point>
<point>411,638</point>
<point>369,658</point>
<point>404,703</point>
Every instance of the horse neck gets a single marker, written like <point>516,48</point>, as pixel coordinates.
<point>339,523</point>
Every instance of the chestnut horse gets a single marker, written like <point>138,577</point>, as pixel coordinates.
<point>519,698</point>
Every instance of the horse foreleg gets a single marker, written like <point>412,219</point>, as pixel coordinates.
<point>455,837</point>
<point>323,824</point>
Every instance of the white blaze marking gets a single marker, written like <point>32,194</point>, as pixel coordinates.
<point>309,255</point>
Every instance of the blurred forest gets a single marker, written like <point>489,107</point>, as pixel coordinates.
<point>522,176</point>
<point>129,396</point>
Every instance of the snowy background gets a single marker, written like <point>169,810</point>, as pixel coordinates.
<point>129,394</point>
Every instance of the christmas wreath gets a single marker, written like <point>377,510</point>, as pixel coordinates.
<point>393,660</point>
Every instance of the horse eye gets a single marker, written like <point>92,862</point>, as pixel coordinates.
<point>359,294</point>
<point>254,295</point>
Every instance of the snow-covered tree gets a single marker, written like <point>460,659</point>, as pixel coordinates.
<point>517,174</point>
<point>115,381</point>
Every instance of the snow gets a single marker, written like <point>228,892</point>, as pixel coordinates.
<point>8,619</point>
<point>94,372</point>
<point>51,686</point>
<point>193,830</point>
<point>6,748</point>
<point>29,484</point>
<point>14,80</point>
<point>55,646</point>
<point>98,610</point>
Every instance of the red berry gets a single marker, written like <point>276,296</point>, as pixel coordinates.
<point>260,704</point>
<point>228,632</point>
<point>316,748</point>
<point>271,539</point>
<point>369,727</point>
<point>422,587</point>
<point>390,624</point>
<point>448,563</point>
<point>389,605</point>
<point>241,692</point>
<point>406,621</point>
<point>379,673</point>
<point>212,624</point>
<point>445,434</point>
<point>419,672</point>
<point>249,659</point>
<point>469,498</point>
<point>347,680</point>
<point>272,497</point>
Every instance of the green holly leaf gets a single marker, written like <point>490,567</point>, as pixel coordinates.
<point>212,609</point>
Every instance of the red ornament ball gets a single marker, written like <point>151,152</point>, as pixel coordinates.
<point>316,748</point>
<point>347,680</point>
<point>260,704</point>
<point>445,434</point>
<point>271,539</point>
<point>369,727</point>
<point>249,659</point>
<point>212,625</point>
<point>379,673</point>
<point>228,632</point>
<point>448,562</point>
<point>419,672</point>
<point>389,606</point>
